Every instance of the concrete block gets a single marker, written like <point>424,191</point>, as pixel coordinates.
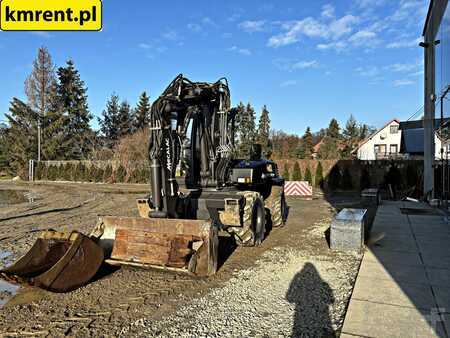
<point>347,230</point>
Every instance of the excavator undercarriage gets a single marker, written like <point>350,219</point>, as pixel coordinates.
<point>198,188</point>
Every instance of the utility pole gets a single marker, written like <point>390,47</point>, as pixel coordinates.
<point>39,139</point>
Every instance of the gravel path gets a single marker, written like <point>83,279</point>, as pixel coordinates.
<point>286,294</point>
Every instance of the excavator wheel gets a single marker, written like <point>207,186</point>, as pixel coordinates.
<point>253,221</point>
<point>276,203</point>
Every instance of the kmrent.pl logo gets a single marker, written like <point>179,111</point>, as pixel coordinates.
<point>50,15</point>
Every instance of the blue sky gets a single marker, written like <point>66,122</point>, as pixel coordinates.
<point>308,61</point>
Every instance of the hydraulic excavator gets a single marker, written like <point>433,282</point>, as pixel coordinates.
<point>198,188</point>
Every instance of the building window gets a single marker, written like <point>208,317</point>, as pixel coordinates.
<point>394,129</point>
<point>393,149</point>
<point>380,148</point>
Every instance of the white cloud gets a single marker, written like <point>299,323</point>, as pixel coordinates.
<point>288,83</point>
<point>364,38</point>
<point>404,44</point>
<point>227,35</point>
<point>305,64</point>
<point>406,67</point>
<point>292,65</point>
<point>369,71</point>
<point>328,11</point>
<point>144,45</point>
<point>207,21</point>
<point>242,51</point>
<point>369,3</point>
<point>195,27</point>
<point>337,46</point>
<point>252,26</point>
<point>403,82</point>
<point>170,35</point>
<point>313,28</point>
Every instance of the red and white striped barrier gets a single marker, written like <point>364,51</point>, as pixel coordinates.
<point>298,188</point>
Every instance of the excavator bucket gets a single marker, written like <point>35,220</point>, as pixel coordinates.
<point>173,244</point>
<point>58,262</point>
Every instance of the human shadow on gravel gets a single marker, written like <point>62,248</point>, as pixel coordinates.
<point>312,297</point>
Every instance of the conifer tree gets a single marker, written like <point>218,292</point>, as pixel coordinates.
<point>308,176</point>
<point>296,173</point>
<point>307,144</point>
<point>286,175</point>
<point>263,133</point>
<point>125,121</point>
<point>109,121</point>
<point>246,131</point>
<point>22,134</point>
<point>329,147</point>
<point>141,114</point>
<point>73,98</point>
<point>318,178</point>
<point>39,86</point>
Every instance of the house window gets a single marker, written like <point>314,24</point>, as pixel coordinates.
<point>393,148</point>
<point>394,129</point>
<point>380,148</point>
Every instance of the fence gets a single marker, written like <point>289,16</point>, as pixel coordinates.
<point>336,174</point>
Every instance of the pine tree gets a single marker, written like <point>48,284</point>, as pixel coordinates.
<point>329,147</point>
<point>333,130</point>
<point>54,126</point>
<point>246,131</point>
<point>308,176</point>
<point>263,133</point>
<point>296,173</point>
<point>124,119</point>
<point>318,178</point>
<point>73,98</point>
<point>307,144</point>
<point>22,134</point>
<point>351,135</point>
<point>286,175</point>
<point>109,121</point>
<point>141,114</point>
<point>4,162</point>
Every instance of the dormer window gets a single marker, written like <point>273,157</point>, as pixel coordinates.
<point>394,129</point>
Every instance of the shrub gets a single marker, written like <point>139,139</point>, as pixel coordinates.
<point>120,174</point>
<point>334,178</point>
<point>107,173</point>
<point>68,172</point>
<point>286,172</point>
<point>52,173</point>
<point>412,177</point>
<point>318,178</point>
<point>296,173</point>
<point>308,176</point>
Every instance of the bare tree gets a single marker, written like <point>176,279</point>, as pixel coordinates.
<point>40,84</point>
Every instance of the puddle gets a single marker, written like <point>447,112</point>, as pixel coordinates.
<point>7,291</point>
<point>5,258</point>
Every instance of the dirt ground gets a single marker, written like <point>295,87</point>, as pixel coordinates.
<point>118,298</point>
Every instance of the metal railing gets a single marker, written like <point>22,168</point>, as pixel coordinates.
<point>389,156</point>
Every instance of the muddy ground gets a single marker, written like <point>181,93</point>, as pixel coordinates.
<point>118,299</point>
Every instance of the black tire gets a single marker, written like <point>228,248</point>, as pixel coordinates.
<point>253,228</point>
<point>276,203</point>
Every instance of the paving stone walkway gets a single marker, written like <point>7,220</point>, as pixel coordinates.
<point>403,285</point>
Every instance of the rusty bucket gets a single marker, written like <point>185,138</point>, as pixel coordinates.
<point>59,262</point>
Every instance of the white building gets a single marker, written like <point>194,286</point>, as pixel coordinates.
<point>385,143</point>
